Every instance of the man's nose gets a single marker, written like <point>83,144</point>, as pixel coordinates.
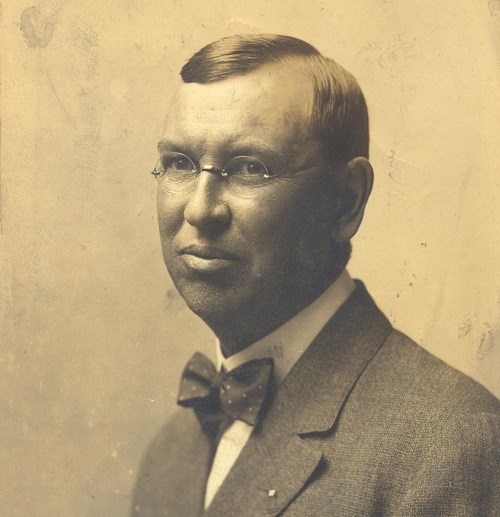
<point>206,206</point>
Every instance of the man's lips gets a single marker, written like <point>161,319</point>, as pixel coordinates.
<point>207,259</point>
<point>208,252</point>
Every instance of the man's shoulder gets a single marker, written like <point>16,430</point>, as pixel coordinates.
<point>423,424</point>
<point>403,373</point>
<point>412,409</point>
<point>412,392</point>
<point>423,378</point>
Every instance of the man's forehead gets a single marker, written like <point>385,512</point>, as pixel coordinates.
<point>273,93</point>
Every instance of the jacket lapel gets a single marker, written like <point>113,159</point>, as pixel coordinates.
<point>270,472</point>
<point>287,474</point>
<point>279,460</point>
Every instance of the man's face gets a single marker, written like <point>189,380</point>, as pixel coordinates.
<point>252,261</point>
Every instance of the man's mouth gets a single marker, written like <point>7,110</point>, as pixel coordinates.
<point>207,258</point>
<point>208,252</point>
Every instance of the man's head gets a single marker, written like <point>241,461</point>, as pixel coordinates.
<point>336,108</point>
<point>248,258</point>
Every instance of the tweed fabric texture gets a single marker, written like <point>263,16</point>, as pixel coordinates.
<point>366,423</point>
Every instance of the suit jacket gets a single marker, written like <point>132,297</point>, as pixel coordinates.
<point>367,423</point>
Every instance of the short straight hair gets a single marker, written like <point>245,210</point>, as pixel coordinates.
<point>339,115</point>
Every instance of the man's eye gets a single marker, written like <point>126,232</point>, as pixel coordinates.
<point>246,166</point>
<point>254,168</point>
<point>177,163</point>
<point>181,164</point>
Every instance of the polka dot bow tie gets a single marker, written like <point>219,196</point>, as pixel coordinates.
<point>237,395</point>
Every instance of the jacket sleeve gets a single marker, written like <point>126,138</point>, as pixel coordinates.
<point>459,474</point>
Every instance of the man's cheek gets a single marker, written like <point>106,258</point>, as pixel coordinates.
<point>169,224</point>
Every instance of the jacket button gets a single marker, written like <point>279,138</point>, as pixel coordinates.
<point>272,493</point>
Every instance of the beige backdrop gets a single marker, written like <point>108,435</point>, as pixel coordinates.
<point>93,336</point>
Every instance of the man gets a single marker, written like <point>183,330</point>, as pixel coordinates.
<point>317,406</point>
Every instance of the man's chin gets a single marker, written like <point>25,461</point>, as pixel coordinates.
<point>209,299</point>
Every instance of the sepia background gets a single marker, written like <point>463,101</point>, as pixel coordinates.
<point>92,334</point>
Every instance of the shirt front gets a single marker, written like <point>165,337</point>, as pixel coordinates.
<point>285,345</point>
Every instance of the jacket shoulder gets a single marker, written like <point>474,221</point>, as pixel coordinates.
<point>424,381</point>
<point>424,434</point>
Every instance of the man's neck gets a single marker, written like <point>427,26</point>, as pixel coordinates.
<point>287,343</point>
<point>236,335</point>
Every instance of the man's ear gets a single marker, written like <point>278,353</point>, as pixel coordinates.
<point>357,187</point>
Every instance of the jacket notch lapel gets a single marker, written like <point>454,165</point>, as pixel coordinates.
<point>287,476</point>
<point>323,378</point>
<point>268,475</point>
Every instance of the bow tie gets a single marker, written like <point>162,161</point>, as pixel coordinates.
<point>237,395</point>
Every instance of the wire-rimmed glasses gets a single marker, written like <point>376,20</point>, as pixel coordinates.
<point>177,173</point>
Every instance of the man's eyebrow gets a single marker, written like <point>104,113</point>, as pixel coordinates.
<point>252,146</point>
<point>169,145</point>
<point>243,147</point>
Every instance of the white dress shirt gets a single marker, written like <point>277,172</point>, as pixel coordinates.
<point>285,345</point>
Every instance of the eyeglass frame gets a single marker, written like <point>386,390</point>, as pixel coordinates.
<point>221,171</point>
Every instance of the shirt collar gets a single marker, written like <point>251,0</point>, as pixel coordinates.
<point>287,343</point>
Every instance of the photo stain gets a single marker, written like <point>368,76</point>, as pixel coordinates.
<point>465,328</point>
<point>488,338</point>
<point>37,29</point>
